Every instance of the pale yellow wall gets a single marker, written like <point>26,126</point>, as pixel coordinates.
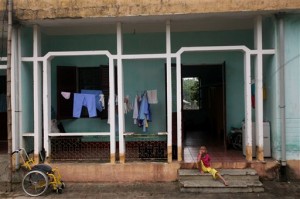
<point>47,9</point>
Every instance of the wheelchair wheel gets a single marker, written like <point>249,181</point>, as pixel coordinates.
<point>35,183</point>
<point>59,191</point>
<point>63,185</point>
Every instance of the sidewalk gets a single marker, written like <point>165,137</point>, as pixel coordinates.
<point>273,189</point>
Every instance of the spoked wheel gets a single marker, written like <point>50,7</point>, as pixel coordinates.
<point>63,185</point>
<point>59,191</point>
<point>35,183</point>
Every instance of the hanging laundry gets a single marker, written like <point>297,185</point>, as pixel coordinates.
<point>66,95</point>
<point>87,100</point>
<point>99,98</point>
<point>108,111</point>
<point>102,100</point>
<point>127,105</point>
<point>135,115</point>
<point>144,112</point>
<point>152,96</point>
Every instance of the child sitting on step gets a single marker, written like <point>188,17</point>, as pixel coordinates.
<point>203,163</point>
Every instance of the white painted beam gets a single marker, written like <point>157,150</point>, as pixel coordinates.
<point>212,48</point>
<point>50,55</point>
<point>79,134</point>
<point>3,67</point>
<point>147,56</point>
<point>259,89</point>
<point>264,52</point>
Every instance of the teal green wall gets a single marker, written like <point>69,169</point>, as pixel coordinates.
<point>141,75</point>
<point>79,43</point>
<point>292,89</point>
<point>142,43</point>
<point>234,62</point>
<point>27,80</point>
<point>292,85</point>
<point>152,72</point>
<point>26,42</point>
<point>271,85</point>
<point>27,97</point>
<point>234,81</point>
<point>209,38</point>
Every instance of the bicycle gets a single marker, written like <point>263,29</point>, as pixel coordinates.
<point>39,177</point>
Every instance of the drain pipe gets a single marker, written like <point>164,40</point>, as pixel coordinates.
<point>8,97</point>
<point>281,57</point>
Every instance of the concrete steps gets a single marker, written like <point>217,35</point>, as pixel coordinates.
<point>239,180</point>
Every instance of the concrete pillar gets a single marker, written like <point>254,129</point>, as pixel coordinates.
<point>169,90</point>
<point>259,90</point>
<point>37,93</point>
<point>120,93</point>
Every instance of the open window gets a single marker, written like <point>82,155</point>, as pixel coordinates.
<point>191,99</point>
<point>73,79</point>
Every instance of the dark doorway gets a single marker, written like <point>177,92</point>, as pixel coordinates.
<point>3,116</point>
<point>204,114</point>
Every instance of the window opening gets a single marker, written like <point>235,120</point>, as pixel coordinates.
<point>192,94</point>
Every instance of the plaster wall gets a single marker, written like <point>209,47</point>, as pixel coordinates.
<point>47,9</point>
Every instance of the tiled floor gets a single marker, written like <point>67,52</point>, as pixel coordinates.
<point>218,153</point>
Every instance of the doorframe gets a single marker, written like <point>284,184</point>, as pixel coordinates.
<point>222,68</point>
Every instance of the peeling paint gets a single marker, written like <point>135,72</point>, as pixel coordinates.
<point>36,158</point>
<point>113,158</point>
<point>169,154</point>
<point>260,153</point>
<point>122,158</point>
<point>179,153</point>
<point>46,9</point>
<point>249,153</point>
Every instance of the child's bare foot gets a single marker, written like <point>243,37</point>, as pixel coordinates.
<point>225,183</point>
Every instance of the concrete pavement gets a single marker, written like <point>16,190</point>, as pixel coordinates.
<point>273,189</point>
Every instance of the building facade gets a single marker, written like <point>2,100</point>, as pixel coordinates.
<point>244,54</point>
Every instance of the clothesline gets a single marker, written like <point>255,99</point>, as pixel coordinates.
<point>93,100</point>
<point>141,107</point>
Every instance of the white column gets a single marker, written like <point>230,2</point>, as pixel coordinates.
<point>248,114</point>
<point>259,90</point>
<point>47,104</point>
<point>120,93</point>
<point>179,108</point>
<point>112,111</point>
<point>169,90</point>
<point>37,100</point>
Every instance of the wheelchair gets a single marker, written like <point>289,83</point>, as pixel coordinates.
<point>39,177</point>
